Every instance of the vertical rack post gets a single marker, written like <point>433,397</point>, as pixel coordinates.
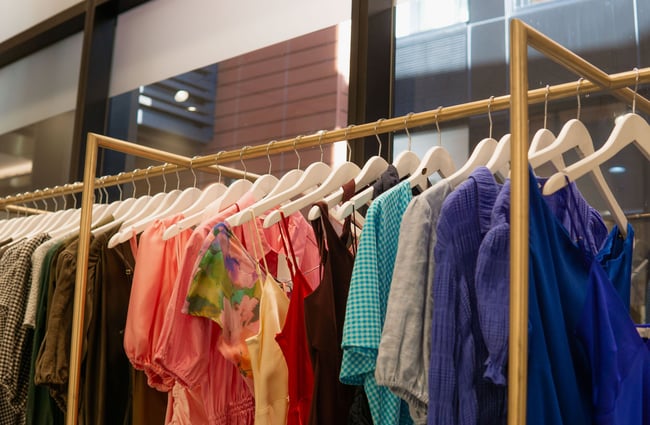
<point>518,342</point>
<point>76,344</point>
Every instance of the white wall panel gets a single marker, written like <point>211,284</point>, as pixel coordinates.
<point>41,85</point>
<point>164,38</point>
<point>18,15</point>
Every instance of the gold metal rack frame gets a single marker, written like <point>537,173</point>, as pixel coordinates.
<point>9,202</point>
<point>523,36</point>
<point>520,37</point>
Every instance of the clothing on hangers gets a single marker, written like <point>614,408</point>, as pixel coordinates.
<point>324,316</point>
<point>455,368</point>
<point>559,390</point>
<point>292,339</point>
<point>405,348</point>
<point>187,347</point>
<point>14,344</point>
<point>47,411</point>
<point>367,300</point>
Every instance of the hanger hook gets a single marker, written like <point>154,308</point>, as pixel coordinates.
<point>101,190</point>
<point>438,126</point>
<point>108,195</point>
<point>548,90</point>
<point>490,114</point>
<point>44,191</point>
<point>377,134</point>
<point>65,198</point>
<point>320,143</point>
<point>296,150</point>
<point>164,177</point>
<point>268,155</point>
<point>192,169</point>
<point>347,140</point>
<point>56,204</point>
<point>34,204</point>
<point>119,186</point>
<point>578,97</point>
<point>217,163</point>
<point>406,128</point>
<point>146,177</point>
<point>636,87</point>
<point>133,181</point>
<point>241,154</point>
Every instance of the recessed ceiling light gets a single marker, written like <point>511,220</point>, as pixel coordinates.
<point>181,96</point>
<point>191,108</point>
<point>617,169</point>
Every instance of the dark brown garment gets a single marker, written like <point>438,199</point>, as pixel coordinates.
<point>324,316</point>
<point>104,397</point>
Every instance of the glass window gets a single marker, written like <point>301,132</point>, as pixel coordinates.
<point>522,3</point>
<point>36,117</point>
<point>446,66</point>
<point>413,16</point>
<point>290,88</point>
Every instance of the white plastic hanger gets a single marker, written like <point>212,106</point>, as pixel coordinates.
<point>337,178</point>
<point>184,200</point>
<point>407,161</point>
<point>265,183</point>
<point>68,220</point>
<point>480,156</point>
<point>158,203</point>
<point>437,159</point>
<point>222,197</point>
<point>234,193</point>
<point>371,171</point>
<point>629,129</point>
<point>36,224</point>
<point>313,176</point>
<point>44,222</point>
<point>543,138</point>
<point>575,135</point>
<point>499,163</point>
<point>130,206</point>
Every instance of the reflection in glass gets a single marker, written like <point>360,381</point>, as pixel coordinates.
<point>36,156</point>
<point>295,87</point>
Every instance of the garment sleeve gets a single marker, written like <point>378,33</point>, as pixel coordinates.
<point>144,302</point>
<point>362,326</point>
<point>52,361</point>
<point>493,295</point>
<point>183,347</point>
<point>442,368</point>
<point>404,346</point>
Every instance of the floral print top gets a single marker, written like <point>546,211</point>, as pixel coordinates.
<point>227,288</point>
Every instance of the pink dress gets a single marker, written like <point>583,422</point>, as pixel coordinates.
<point>187,350</point>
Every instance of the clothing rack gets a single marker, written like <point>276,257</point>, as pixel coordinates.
<point>521,36</point>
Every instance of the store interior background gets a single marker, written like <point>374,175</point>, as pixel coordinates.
<point>195,77</point>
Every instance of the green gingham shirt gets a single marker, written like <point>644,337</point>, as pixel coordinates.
<point>367,301</point>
